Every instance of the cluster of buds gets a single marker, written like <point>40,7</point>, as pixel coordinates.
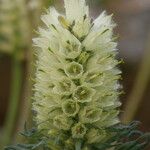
<point>76,86</point>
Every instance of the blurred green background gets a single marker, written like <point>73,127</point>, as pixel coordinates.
<point>18,21</point>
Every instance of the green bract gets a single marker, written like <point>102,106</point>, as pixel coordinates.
<point>76,88</point>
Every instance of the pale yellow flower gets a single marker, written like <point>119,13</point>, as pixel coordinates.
<point>76,88</point>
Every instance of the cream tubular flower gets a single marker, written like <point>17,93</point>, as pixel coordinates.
<point>76,88</point>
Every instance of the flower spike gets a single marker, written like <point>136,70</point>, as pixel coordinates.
<point>76,88</point>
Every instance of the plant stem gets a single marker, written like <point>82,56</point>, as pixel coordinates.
<point>141,81</point>
<point>11,115</point>
<point>78,145</point>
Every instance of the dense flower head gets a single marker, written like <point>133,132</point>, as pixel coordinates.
<point>76,86</point>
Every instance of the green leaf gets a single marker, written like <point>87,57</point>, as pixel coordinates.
<point>123,137</point>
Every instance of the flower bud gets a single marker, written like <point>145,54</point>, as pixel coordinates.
<point>83,94</point>
<point>95,135</point>
<point>71,49</point>
<point>78,131</point>
<point>63,87</point>
<point>90,114</point>
<point>74,70</point>
<point>62,122</point>
<point>70,108</point>
<point>69,144</point>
